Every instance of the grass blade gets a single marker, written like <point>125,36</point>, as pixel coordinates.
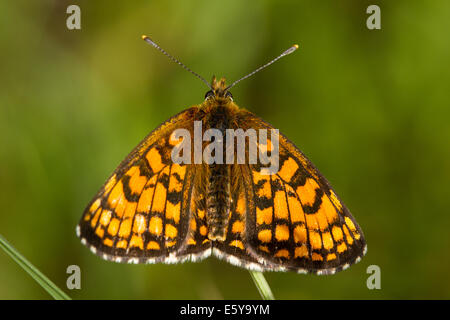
<point>262,285</point>
<point>40,278</point>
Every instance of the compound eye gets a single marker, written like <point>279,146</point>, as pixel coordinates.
<point>228,95</point>
<point>209,94</point>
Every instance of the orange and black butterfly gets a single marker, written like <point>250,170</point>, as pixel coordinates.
<point>155,210</point>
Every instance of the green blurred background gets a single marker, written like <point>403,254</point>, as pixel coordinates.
<point>369,107</point>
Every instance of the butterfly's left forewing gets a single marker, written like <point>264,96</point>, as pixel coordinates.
<point>142,212</point>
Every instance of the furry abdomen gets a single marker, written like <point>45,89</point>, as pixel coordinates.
<point>218,179</point>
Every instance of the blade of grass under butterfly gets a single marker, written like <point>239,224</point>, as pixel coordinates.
<point>262,285</point>
<point>40,278</point>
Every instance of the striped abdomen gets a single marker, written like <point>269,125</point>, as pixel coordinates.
<point>219,181</point>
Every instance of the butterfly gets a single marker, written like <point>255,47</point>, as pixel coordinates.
<point>153,209</point>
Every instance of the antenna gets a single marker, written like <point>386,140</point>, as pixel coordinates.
<point>285,53</point>
<point>154,44</point>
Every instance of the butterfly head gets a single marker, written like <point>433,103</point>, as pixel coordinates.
<point>219,91</point>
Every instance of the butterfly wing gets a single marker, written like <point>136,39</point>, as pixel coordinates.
<point>142,214</point>
<point>294,220</point>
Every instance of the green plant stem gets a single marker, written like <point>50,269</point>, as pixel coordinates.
<point>262,285</point>
<point>40,278</point>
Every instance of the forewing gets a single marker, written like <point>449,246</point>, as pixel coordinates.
<point>296,221</point>
<point>142,212</point>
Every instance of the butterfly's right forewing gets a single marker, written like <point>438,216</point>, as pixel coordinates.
<point>295,220</point>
